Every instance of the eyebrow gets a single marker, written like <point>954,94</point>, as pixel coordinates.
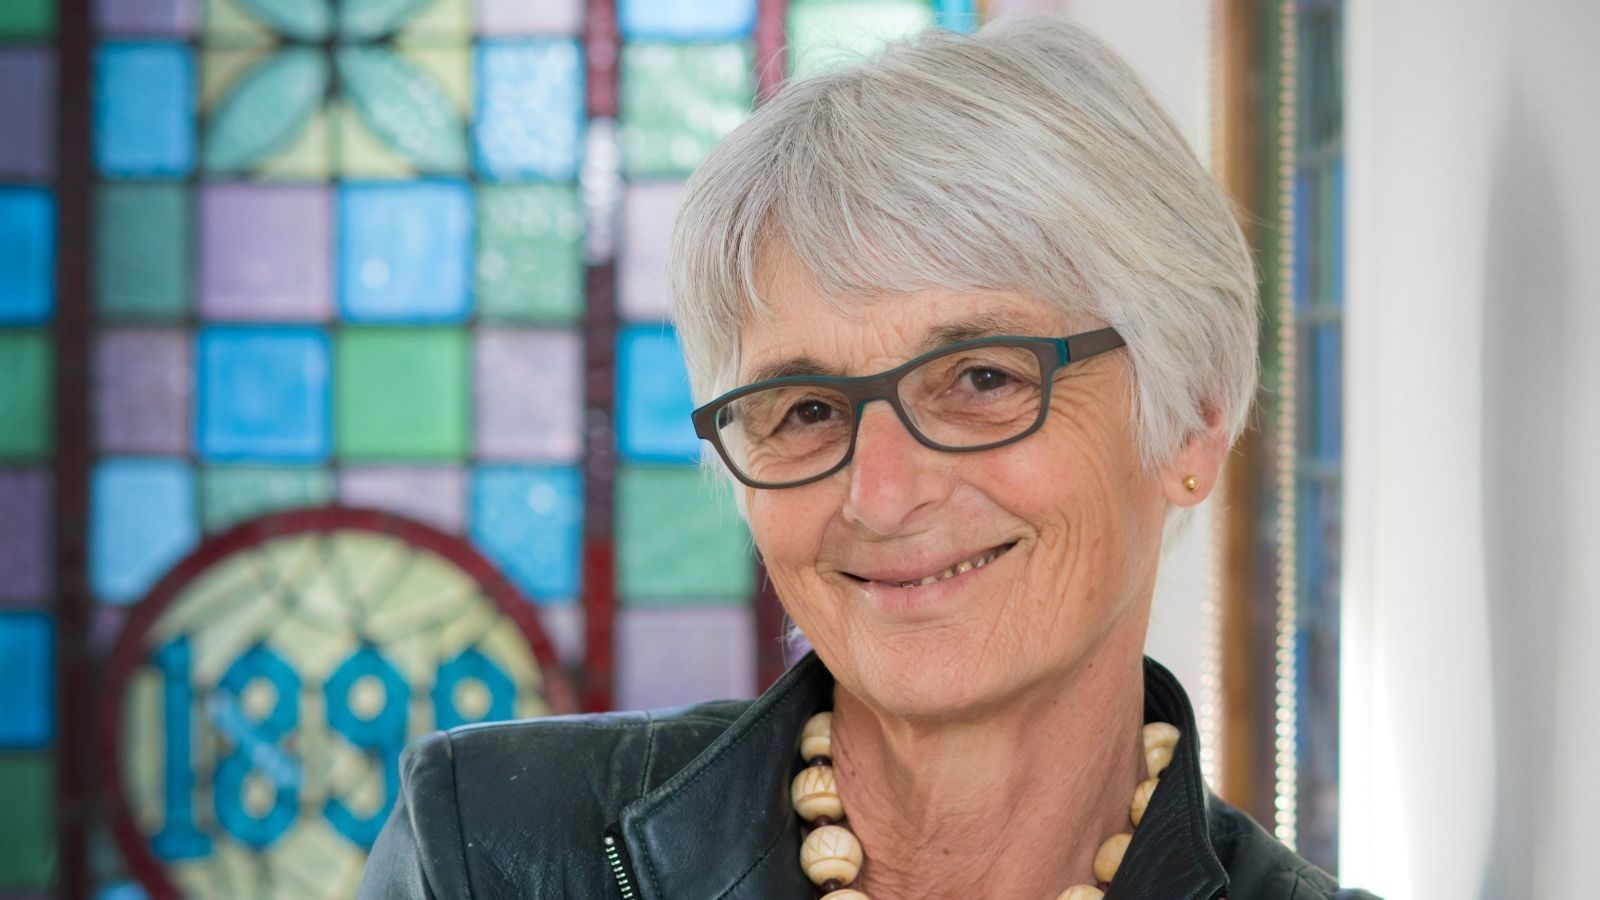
<point>967,328</point>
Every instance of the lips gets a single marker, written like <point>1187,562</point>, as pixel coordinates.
<point>903,578</point>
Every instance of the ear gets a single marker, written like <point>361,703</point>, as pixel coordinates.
<point>1200,457</point>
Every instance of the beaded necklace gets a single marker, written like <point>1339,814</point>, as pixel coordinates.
<point>832,856</point>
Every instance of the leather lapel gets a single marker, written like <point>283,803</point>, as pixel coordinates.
<point>1171,856</point>
<point>722,827</point>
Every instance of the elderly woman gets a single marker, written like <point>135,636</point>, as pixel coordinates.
<point>1002,239</point>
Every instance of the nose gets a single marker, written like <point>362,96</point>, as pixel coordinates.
<point>892,476</point>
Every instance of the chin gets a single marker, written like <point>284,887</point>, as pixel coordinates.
<point>928,674</point>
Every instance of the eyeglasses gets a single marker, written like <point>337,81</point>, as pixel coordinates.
<point>968,396</point>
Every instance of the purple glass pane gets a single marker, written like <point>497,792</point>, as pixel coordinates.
<point>28,109</point>
<point>143,381</point>
<point>503,17</point>
<point>265,252</point>
<point>530,394</point>
<point>436,495</point>
<point>563,625</point>
<point>669,657</point>
<point>648,211</point>
<point>24,536</point>
<point>146,16</point>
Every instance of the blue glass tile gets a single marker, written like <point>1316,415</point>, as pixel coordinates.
<point>405,252</point>
<point>142,518</point>
<point>1328,396</point>
<point>121,890</point>
<point>956,15</point>
<point>1336,217</point>
<point>686,18</point>
<point>529,520</point>
<point>27,255</point>
<point>144,99</point>
<point>27,693</point>
<point>263,394</point>
<point>653,396</point>
<point>1305,216</point>
<point>530,108</point>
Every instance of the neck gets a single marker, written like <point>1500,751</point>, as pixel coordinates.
<point>1011,803</point>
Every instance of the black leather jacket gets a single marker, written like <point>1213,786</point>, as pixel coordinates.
<point>693,804</point>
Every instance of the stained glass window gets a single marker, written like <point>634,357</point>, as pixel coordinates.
<point>401,258</point>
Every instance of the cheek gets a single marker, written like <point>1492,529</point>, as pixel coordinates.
<point>787,526</point>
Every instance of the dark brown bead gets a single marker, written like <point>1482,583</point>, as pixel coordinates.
<point>831,885</point>
<point>820,761</point>
<point>820,821</point>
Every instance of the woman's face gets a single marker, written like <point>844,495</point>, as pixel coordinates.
<point>1075,520</point>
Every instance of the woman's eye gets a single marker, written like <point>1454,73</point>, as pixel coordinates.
<point>811,412</point>
<point>987,379</point>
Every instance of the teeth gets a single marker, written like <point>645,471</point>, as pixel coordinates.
<point>960,568</point>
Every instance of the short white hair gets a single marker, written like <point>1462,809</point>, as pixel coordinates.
<point>1027,157</point>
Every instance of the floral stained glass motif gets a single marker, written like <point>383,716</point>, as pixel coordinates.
<point>312,89</point>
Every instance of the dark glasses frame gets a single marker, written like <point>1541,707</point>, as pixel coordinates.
<point>1054,354</point>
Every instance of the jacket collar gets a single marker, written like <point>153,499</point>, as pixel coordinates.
<point>722,827</point>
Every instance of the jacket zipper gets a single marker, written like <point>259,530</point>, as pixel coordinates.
<point>619,867</point>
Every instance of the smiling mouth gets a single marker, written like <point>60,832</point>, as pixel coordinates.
<point>960,568</point>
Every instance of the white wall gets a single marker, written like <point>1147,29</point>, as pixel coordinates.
<point>1472,554</point>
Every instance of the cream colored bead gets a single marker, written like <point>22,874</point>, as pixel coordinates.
<point>815,794</point>
<point>816,739</point>
<point>1141,798</point>
<point>846,894</point>
<point>1081,892</point>
<point>1109,856</point>
<point>1159,740</point>
<point>831,852</point>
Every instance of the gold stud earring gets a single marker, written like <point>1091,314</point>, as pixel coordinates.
<point>1191,484</point>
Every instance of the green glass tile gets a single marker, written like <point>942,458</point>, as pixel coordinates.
<point>825,34</point>
<point>234,493</point>
<point>401,393</point>
<point>28,829</point>
<point>680,539</point>
<point>142,250</point>
<point>27,18</point>
<point>530,253</point>
<point>679,100</point>
<point>27,380</point>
